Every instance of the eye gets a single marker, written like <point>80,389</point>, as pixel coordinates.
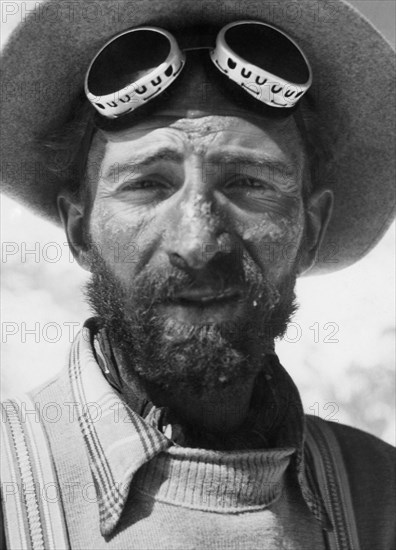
<point>247,182</point>
<point>147,186</point>
<point>146,190</point>
<point>143,184</point>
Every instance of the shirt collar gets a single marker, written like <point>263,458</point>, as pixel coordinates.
<point>119,441</point>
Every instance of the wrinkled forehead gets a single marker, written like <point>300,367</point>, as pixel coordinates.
<point>205,131</point>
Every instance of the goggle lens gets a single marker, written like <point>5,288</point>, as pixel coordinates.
<point>268,49</point>
<point>126,59</point>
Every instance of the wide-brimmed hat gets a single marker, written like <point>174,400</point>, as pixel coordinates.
<point>353,93</point>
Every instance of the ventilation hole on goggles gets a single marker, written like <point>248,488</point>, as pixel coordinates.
<point>100,105</point>
<point>157,81</point>
<point>276,90</point>
<point>231,63</point>
<point>141,90</point>
<point>245,74</point>
<point>169,71</point>
<point>258,81</point>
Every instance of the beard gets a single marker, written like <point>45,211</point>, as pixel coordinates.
<point>166,354</point>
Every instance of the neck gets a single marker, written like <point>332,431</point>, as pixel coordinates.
<point>220,411</point>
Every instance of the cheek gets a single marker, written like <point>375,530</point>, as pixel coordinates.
<point>121,240</point>
<point>272,240</point>
<point>106,229</point>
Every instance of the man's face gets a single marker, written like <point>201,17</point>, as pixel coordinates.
<point>196,222</point>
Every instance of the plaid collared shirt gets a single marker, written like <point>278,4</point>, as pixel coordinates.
<point>119,441</point>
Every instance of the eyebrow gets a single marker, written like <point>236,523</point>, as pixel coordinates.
<point>259,160</point>
<point>146,159</point>
<point>240,158</point>
<point>165,153</point>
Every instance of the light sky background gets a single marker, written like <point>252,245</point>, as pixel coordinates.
<point>357,304</point>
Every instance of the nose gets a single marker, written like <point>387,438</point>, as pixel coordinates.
<point>198,234</point>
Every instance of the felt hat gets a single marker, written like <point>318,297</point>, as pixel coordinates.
<point>45,60</point>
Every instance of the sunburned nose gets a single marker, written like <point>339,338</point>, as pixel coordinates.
<point>195,238</point>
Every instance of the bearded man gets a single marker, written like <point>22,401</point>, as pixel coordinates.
<point>195,179</point>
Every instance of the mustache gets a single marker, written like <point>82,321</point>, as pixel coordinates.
<point>167,285</point>
<point>152,286</point>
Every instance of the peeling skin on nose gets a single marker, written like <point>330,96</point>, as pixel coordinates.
<point>196,209</point>
<point>197,214</point>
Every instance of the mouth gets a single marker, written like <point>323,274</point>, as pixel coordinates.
<point>205,305</point>
<point>206,297</point>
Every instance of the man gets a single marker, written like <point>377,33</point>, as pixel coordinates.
<point>178,426</point>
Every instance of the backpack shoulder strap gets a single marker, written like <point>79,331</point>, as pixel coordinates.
<point>333,482</point>
<point>32,505</point>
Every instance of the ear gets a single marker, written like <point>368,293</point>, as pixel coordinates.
<point>317,216</point>
<point>72,216</point>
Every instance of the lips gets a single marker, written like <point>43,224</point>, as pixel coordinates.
<point>207,296</point>
<point>205,305</point>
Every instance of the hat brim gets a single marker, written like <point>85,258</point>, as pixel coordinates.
<point>44,64</point>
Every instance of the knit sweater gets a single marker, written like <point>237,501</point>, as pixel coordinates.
<point>198,499</point>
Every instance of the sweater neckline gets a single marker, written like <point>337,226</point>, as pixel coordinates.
<point>217,481</point>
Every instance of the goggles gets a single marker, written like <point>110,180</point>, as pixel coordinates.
<point>137,65</point>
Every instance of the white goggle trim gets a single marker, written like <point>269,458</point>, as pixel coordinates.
<point>262,85</point>
<point>137,93</point>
